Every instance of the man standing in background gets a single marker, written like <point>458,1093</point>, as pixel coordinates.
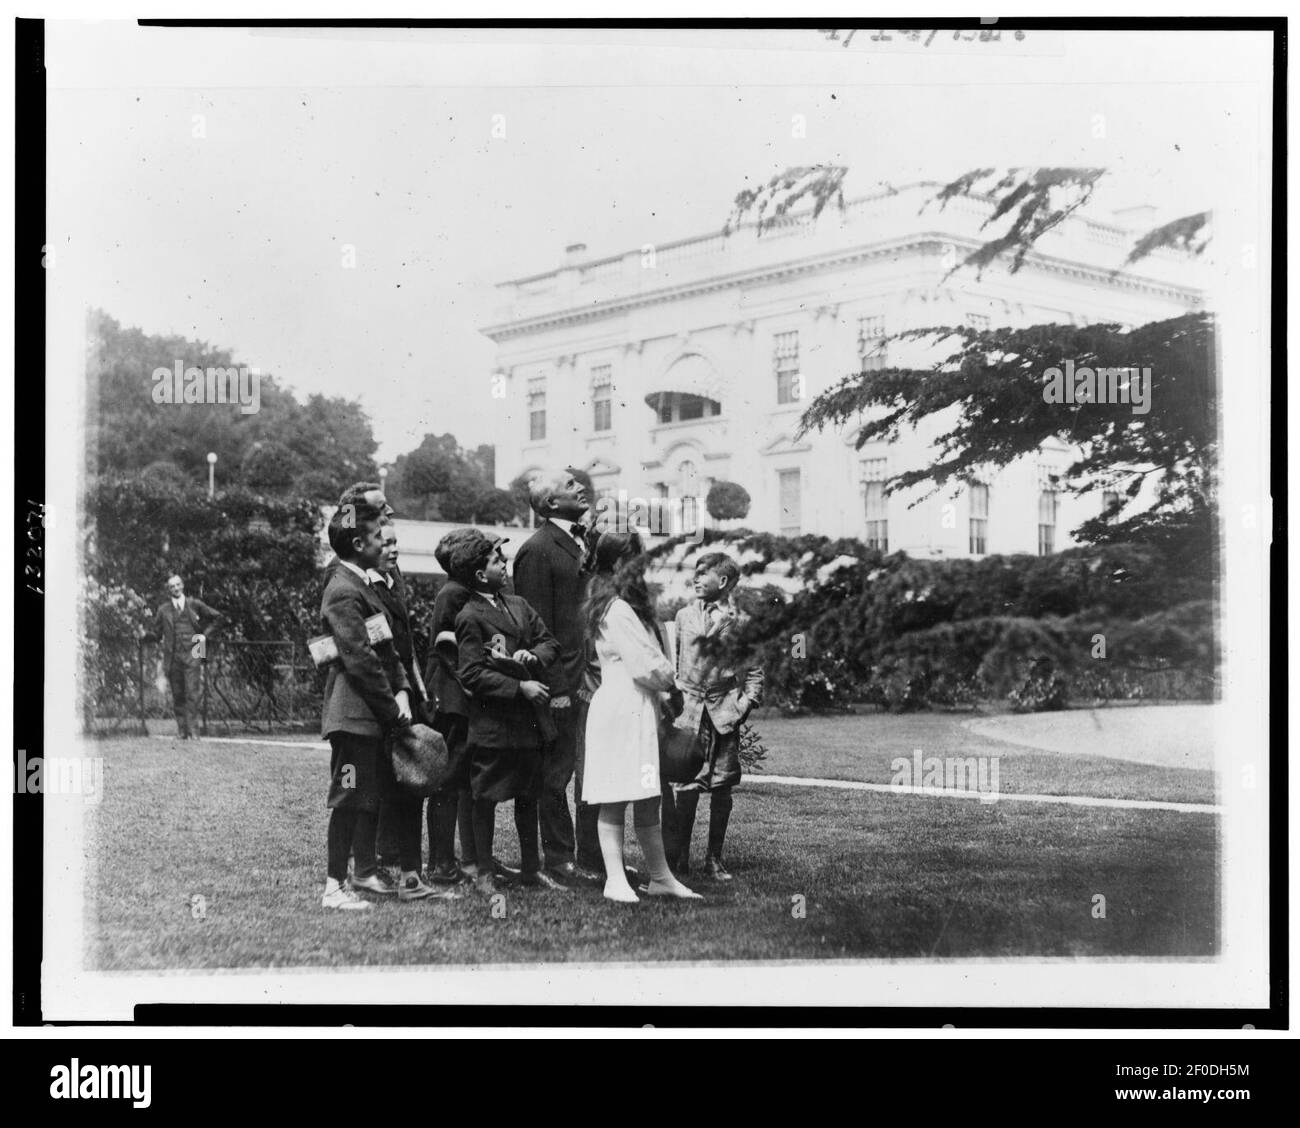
<point>183,624</point>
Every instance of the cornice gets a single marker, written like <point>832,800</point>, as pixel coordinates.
<point>923,244</point>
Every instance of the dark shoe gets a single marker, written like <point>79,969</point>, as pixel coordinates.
<point>445,892</point>
<point>502,870</point>
<point>570,873</point>
<point>542,880</point>
<point>714,868</point>
<point>413,889</point>
<point>444,875</point>
<point>378,883</point>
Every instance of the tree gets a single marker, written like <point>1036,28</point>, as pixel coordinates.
<point>165,473</point>
<point>727,501</point>
<point>991,393</point>
<point>440,481</point>
<point>518,490</point>
<point>253,557</point>
<point>818,184</point>
<point>268,467</point>
<point>495,507</point>
<point>1036,199</point>
<point>321,486</point>
<point>128,430</point>
<point>332,435</point>
<point>995,377</point>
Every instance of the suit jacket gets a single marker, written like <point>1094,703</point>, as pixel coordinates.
<point>176,629</point>
<point>499,715</point>
<point>360,686</point>
<point>707,685</point>
<point>395,603</point>
<point>442,677</point>
<point>549,575</point>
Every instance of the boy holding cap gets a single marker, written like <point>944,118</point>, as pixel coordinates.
<point>503,651</point>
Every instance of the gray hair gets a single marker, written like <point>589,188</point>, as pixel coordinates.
<point>544,486</point>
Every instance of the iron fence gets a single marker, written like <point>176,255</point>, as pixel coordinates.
<point>244,686</point>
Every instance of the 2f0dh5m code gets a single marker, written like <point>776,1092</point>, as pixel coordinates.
<point>1196,1070</point>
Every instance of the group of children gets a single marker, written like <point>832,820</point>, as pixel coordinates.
<point>487,695</point>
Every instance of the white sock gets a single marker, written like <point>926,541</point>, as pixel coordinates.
<point>651,839</point>
<point>610,834</point>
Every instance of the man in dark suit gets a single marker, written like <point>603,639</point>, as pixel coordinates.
<point>549,574</point>
<point>183,623</point>
<point>367,699</point>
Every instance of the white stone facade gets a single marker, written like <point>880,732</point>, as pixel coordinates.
<point>759,326</point>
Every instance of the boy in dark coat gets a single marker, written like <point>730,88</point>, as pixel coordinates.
<point>500,637</point>
<point>455,806</point>
<point>401,815</point>
<point>367,698</point>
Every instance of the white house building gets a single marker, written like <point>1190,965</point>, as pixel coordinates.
<point>665,369</point>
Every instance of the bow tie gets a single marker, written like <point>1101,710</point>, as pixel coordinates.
<point>579,530</point>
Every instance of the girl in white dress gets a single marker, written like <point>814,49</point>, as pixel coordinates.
<point>622,736</point>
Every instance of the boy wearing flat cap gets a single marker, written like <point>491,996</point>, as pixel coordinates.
<point>504,650</point>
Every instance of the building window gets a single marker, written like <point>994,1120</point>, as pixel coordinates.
<point>871,343</point>
<point>876,504</point>
<point>690,407</point>
<point>790,502</point>
<point>688,479</point>
<point>682,407</point>
<point>537,408</point>
<point>1046,522</point>
<point>602,388</point>
<point>979,518</point>
<point>979,322</point>
<point>785,355</point>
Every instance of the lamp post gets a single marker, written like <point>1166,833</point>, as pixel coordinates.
<point>212,474</point>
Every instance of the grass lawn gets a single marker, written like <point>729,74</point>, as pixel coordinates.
<point>879,875</point>
<point>862,748</point>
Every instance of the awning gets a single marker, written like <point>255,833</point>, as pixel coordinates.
<point>691,375</point>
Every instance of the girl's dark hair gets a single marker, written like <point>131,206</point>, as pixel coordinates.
<point>618,573</point>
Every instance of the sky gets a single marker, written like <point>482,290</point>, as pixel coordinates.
<point>210,183</point>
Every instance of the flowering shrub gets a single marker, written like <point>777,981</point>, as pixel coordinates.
<point>835,622</point>
<point>112,617</point>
